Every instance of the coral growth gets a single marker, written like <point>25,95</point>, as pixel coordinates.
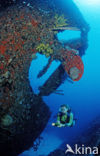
<point>73,64</point>
<point>60,21</point>
<point>6,120</point>
<point>45,49</point>
<point>19,31</point>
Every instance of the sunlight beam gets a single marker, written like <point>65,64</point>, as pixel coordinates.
<point>88,2</point>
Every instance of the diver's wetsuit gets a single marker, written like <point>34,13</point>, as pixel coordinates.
<point>64,118</point>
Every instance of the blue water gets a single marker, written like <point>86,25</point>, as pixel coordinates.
<point>39,64</point>
<point>68,35</point>
<point>82,96</point>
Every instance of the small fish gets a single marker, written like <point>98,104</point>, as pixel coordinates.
<point>59,90</point>
<point>59,93</point>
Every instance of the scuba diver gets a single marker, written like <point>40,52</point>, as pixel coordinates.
<point>65,117</point>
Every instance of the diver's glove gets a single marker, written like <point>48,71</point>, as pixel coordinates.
<point>53,124</point>
<point>58,124</point>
